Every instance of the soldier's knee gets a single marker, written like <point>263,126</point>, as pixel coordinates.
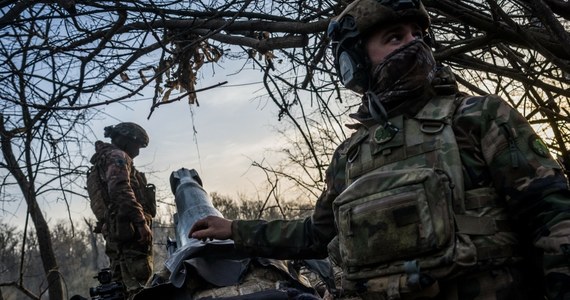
<point>140,267</point>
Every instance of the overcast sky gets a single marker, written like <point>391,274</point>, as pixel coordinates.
<point>234,125</point>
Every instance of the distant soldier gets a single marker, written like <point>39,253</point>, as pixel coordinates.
<point>437,194</point>
<point>124,204</point>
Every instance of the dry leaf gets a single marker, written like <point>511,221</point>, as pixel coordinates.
<point>269,55</point>
<point>143,78</point>
<point>124,76</point>
<point>166,95</point>
<point>251,53</point>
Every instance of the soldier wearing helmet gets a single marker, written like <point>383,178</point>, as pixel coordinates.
<point>124,204</point>
<point>437,194</point>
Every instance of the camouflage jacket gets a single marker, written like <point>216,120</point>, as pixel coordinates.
<point>118,168</point>
<point>498,149</point>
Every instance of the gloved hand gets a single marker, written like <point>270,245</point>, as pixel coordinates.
<point>144,232</point>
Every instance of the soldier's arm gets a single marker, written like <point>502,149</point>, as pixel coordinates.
<point>283,239</point>
<point>295,239</point>
<point>533,185</point>
<point>119,187</point>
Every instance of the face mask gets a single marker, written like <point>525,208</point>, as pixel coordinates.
<point>405,74</point>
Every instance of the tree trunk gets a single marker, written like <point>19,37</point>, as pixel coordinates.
<point>94,248</point>
<point>55,282</point>
<point>54,279</point>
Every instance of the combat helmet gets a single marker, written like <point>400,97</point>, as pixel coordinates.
<point>348,30</point>
<point>130,130</point>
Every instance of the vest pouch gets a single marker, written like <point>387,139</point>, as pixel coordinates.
<point>333,249</point>
<point>146,193</point>
<point>120,228</point>
<point>390,216</point>
<point>97,191</point>
<point>149,204</point>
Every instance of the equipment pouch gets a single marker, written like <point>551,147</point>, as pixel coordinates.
<point>149,204</point>
<point>389,216</point>
<point>146,194</point>
<point>97,190</point>
<point>120,228</point>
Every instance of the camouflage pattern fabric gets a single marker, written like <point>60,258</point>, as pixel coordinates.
<point>119,168</point>
<point>98,197</point>
<point>131,262</point>
<point>407,177</point>
<point>373,13</point>
<point>500,155</point>
<point>258,278</point>
<point>130,130</point>
<point>498,150</point>
<point>408,74</point>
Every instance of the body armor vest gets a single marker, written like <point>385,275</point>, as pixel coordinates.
<point>405,219</point>
<point>99,196</point>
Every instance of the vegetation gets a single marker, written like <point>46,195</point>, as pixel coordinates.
<point>61,60</point>
<point>81,249</point>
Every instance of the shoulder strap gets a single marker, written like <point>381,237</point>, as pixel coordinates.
<point>439,109</point>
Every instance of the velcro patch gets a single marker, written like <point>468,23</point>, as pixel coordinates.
<point>538,146</point>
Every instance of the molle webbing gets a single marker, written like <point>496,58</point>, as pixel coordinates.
<point>424,142</point>
<point>427,140</point>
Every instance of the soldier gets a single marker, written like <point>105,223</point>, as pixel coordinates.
<point>437,194</point>
<point>124,204</point>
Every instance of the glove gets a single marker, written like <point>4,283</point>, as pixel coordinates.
<point>144,233</point>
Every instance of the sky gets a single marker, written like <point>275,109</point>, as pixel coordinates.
<point>234,126</point>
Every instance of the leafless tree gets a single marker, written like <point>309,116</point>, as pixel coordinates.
<point>60,60</point>
<point>38,155</point>
<point>518,49</point>
<point>515,48</point>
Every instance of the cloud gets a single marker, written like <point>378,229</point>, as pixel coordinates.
<point>219,138</point>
